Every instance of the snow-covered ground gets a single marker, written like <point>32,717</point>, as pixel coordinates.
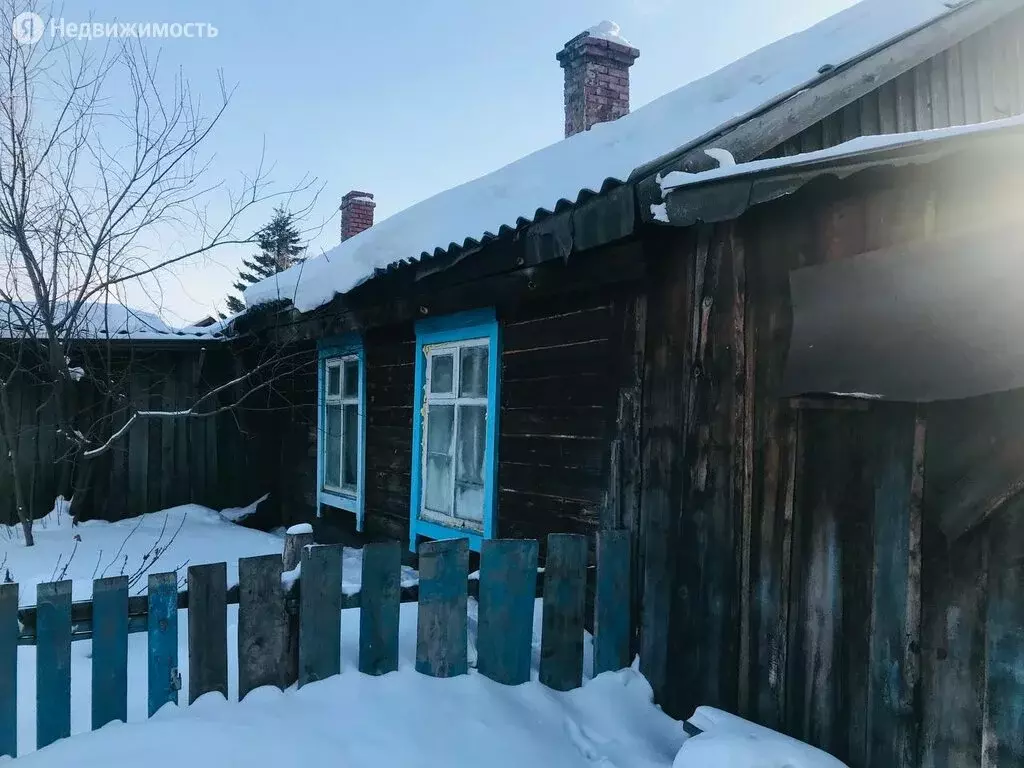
<point>174,538</point>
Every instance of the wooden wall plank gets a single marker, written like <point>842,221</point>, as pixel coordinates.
<point>612,619</point>
<point>442,623</point>
<point>109,651</point>
<point>53,662</point>
<point>207,630</point>
<point>262,624</point>
<point>508,588</point>
<point>162,628</point>
<point>138,446</point>
<point>8,670</point>
<point>168,467</point>
<point>380,608</point>
<point>320,613</point>
<point>565,582</point>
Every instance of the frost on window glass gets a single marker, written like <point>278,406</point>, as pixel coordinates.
<point>442,374</point>
<point>473,372</point>
<point>332,438</point>
<point>351,445</point>
<point>333,380</point>
<point>351,378</point>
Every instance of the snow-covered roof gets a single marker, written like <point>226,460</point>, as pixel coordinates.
<point>604,156</point>
<point>99,320</point>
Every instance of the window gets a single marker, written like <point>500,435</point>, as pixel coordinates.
<point>341,426</point>
<point>454,435</point>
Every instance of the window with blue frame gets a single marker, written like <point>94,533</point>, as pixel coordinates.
<point>455,427</point>
<point>341,425</point>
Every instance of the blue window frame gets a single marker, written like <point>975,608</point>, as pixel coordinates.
<point>341,425</point>
<point>455,428</point>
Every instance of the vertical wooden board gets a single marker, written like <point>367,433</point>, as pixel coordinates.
<point>154,452</point>
<point>986,79</point>
<point>207,630</point>
<point>508,589</point>
<point>923,117</point>
<point>379,608</point>
<point>138,447</point>
<point>118,491</point>
<point>891,726</point>
<point>182,461</point>
<point>939,86</point>
<point>162,630</point>
<point>109,651</point>
<point>442,623</point>
<point>612,620</point>
<point>53,662</point>
<point>887,108</point>
<point>168,467</point>
<point>565,583</point>
<point>955,85</point>
<point>262,624</point>
<point>8,670</point>
<point>320,613</point>
<point>969,80</point>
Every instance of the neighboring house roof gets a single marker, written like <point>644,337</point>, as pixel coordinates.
<point>606,156</point>
<point>98,320</point>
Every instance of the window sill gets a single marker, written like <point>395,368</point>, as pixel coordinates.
<point>339,501</point>
<point>437,532</point>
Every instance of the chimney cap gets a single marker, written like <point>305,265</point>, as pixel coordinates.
<point>601,40</point>
<point>355,194</point>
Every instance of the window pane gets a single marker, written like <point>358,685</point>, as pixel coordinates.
<point>472,439</point>
<point>332,447</point>
<point>473,373</point>
<point>333,380</point>
<point>351,378</point>
<point>440,420</point>
<point>442,369</point>
<point>469,502</point>
<point>439,483</point>
<point>351,453</point>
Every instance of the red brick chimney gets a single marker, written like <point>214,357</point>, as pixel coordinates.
<point>356,213</point>
<point>596,64</point>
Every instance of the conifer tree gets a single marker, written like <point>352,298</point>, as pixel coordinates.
<point>279,243</point>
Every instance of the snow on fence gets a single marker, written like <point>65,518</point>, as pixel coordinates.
<point>289,623</point>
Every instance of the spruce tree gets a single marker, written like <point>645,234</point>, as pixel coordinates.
<point>279,249</point>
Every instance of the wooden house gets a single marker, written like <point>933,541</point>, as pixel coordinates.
<point>755,350</point>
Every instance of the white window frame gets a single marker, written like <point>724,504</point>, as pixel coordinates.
<point>341,400</point>
<point>453,398</point>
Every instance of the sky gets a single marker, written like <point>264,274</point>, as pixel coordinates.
<point>406,98</point>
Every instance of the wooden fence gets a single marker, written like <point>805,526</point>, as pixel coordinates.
<point>291,631</point>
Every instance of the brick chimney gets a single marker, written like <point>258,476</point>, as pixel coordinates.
<point>356,213</point>
<point>596,64</point>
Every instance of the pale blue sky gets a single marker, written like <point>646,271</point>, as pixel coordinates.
<point>405,98</point>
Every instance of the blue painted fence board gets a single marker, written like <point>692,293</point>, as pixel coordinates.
<point>164,680</point>
<point>53,662</point>
<point>380,607</point>
<point>109,651</point>
<point>508,589</point>
<point>441,625</point>
<point>1004,711</point>
<point>565,584</point>
<point>611,603</point>
<point>320,613</point>
<point>207,630</point>
<point>8,670</point>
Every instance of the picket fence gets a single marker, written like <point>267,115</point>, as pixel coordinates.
<point>290,632</point>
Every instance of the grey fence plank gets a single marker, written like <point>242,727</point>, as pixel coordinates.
<point>109,651</point>
<point>508,588</point>
<point>611,612</point>
<point>53,662</point>
<point>262,624</point>
<point>162,631</point>
<point>320,613</point>
<point>441,626</point>
<point>8,670</point>
<point>207,630</point>
<point>565,583</point>
<point>380,607</point>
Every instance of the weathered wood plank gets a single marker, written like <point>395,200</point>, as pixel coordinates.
<point>262,624</point>
<point>895,608</point>
<point>8,670</point>
<point>320,613</point>
<point>442,623</point>
<point>164,678</point>
<point>53,662</point>
<point>955,83</point>
<point>109,651</point>
<point>611,603</point>
<point>508,586</point>
<point>565,582</point>
<point>207,630</point>
<point>380,607</point>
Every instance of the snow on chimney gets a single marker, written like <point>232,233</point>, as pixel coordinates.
<point>356,213</point>
<point>596,64</point>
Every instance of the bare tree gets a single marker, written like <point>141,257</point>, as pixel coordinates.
<point>101,164</point>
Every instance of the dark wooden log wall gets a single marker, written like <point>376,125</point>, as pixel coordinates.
<point>796,571</point>
<point>980,79</point>
<point>159,463</point>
